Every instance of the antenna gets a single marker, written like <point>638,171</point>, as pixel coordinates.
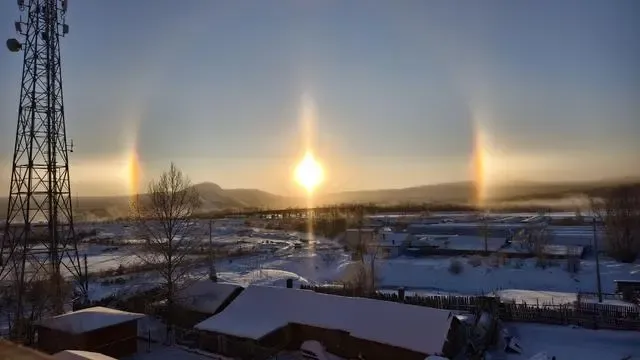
<point>39,238</point>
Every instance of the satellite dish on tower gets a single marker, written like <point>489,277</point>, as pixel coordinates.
<point>14,45</point>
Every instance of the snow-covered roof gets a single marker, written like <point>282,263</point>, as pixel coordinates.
<point>89,319</point>
<point>205,296</point>
<point>81,355</point>
<point>258,310</point>
<point>9,350</point>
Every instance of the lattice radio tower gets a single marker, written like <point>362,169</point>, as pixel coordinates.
<point>39,242</point>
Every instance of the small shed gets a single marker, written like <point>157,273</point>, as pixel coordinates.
<point>81,355</point>
<point>202,299</point>
<point>98,329</point>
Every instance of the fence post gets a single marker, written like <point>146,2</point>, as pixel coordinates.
<point>401,294</point>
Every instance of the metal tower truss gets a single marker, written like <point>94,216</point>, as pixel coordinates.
<point>39,242</point>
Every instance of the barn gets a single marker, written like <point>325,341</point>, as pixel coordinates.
<point>96,329</point>
<point>274,318</point>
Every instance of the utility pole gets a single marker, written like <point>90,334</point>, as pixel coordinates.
<point>595,248</point>
<point>212,266</point>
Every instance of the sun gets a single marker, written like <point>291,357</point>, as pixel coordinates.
<point>309,173</point>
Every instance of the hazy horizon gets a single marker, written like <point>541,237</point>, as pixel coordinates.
<point>385,94</point>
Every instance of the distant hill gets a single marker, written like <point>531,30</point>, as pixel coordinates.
<point>214,197</point>
<point>458,192</point>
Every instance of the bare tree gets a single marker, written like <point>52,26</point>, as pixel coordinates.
<point>619,211</point>
<point>163,218</point>
<point>485,231</point>
<point>44,294</point>
<point>362,275</point>
<point>537,240</point>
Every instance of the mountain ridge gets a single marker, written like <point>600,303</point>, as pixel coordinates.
<point>214,197</point>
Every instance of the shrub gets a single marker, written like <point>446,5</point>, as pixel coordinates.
<point>475,260</point>
<point>455,267</point>
<point>518,263</point>
<point>494,261</point>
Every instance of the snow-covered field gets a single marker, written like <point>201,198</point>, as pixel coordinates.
<point>566,342</point>
<point>274,256</point>
<point>433,274</point>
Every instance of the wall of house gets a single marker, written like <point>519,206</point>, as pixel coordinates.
<point>353,237</point>
<point>115,341</point>
<point>233,346</point>
<point>52,341</point>
<point>342,344</point>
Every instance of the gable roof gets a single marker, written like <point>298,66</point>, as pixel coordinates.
<point>205,296</point>
<point>89,319</point>
<point>259,310</point>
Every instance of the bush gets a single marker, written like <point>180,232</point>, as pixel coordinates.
<point>455,267</point>
<point>475,260</point>
<point>518,263</point>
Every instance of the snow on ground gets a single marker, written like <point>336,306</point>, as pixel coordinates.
<point>566,342</point>
<point>433,274</point>
<point>316,262</point>
<point>155,351</point>
<point>279,255</point>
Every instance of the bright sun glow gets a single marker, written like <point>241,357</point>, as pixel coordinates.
<point>309,173</point>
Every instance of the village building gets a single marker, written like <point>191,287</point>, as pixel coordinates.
<point>392,244</point>
<point>201,300</point>
<point>356,237</point>
<point>96,329</point>
<point>263,317</point>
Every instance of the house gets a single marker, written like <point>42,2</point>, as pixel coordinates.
<point>264,317</point>
<point>392,244</point>
<point>97,329</point>
<point>202,299</point>
<point>355,237</point>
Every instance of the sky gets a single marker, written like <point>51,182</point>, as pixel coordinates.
<point>402,93</point>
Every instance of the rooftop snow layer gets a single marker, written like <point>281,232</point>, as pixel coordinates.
<point>89,319</point>
<point>81,355</point>
<point>259,310</point>
<point>205,296</point>
<point>9,350</point>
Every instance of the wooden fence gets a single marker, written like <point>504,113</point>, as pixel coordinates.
<point>587,315</point>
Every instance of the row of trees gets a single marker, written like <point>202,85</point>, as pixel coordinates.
<point>619,212</point>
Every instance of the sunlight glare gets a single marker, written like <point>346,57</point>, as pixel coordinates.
<point>309,173</point>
